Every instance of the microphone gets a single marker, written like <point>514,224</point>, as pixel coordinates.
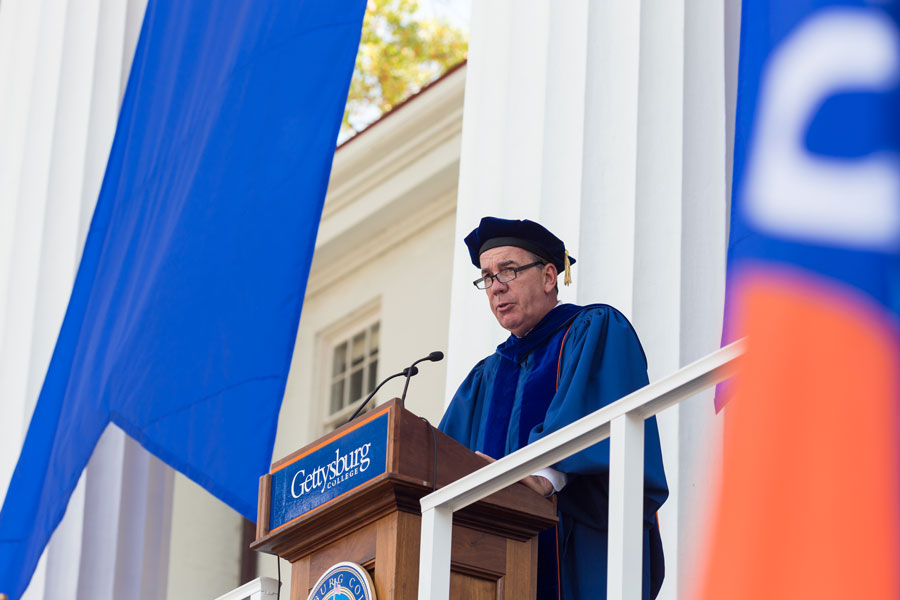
<point>433,357</point>
<point>407,372</point>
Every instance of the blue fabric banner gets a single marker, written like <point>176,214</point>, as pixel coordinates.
<point>185,308</point>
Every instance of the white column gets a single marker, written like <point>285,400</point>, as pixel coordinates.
<point>126,523</point>
<point>142,557</point>
<point>104,478</point>
<point>659,231</point>
<point>563,125</point>
<point>61,561</point>
<point>31,68</point>
<point>58,189</point>
<point>521,143</point>
<point>606,248</point>
<point>29,107</point>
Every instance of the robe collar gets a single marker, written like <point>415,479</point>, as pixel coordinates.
<point>517,348</point>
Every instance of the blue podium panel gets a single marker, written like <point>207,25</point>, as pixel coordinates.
<point>330,470</point>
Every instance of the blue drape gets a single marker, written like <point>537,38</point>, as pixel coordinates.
<point>185,308</point>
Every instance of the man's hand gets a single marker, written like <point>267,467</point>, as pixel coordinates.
<point>539,484</point>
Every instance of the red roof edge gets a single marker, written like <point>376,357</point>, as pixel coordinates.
<point>397,107</point>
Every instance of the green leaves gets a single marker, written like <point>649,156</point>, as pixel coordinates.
<point>400,52</point>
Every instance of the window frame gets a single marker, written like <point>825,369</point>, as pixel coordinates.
<point>359,322</point>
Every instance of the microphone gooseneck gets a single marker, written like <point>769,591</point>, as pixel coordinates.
<point>407,372</point>
<point>433,357</point>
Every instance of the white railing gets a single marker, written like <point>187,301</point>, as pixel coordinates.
<point>622,422</point>
<point>261,588</point>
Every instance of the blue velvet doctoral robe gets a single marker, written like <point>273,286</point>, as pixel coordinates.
<point>512,398</point>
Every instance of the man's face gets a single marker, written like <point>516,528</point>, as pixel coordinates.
<point>520,304</point>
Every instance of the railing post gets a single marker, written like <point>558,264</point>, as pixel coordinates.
<point>434,553</point>
<point>626,508</point>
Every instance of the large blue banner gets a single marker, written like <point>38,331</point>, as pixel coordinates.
<point>185,308</point>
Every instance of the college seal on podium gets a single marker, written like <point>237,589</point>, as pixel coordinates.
<point>344,581</point>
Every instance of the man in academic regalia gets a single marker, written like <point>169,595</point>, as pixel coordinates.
<point>560,363</point>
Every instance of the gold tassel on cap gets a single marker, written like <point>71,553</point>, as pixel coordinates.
<point>568,268</point>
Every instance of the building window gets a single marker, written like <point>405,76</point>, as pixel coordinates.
<point>354,373</point>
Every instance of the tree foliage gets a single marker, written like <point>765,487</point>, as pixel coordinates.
<point>400,52</point>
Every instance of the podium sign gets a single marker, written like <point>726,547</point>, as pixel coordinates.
<point>326,472</point>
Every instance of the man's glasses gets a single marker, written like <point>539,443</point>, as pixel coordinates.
<point>504,276</point>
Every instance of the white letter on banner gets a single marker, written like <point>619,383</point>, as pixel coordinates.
<point>792,193</point>
<point>300,473</point>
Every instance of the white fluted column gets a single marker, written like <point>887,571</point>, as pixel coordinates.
<point>523,121</point>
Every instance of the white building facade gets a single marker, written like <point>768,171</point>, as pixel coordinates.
<point>609,121</point>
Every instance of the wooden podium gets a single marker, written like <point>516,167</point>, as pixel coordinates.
<point>374,520</point>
